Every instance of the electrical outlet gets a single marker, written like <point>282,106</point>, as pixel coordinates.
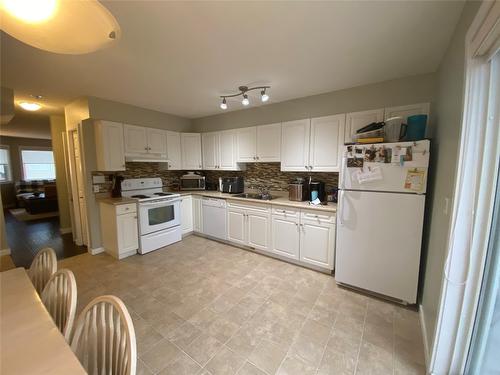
<point>446,206</point>
<point>96,188</point>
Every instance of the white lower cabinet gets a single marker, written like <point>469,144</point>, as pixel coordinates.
<point>187,214</point>
<point>197,214</point>
<point>286,237</point>
<point>317,243</point>
<point>249,225</point>
<point>120,236</point>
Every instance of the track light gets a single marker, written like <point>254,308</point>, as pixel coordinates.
<point>263,96</point>
<point>245,100</point>
<point>243,92</point>
<point>223,105</point>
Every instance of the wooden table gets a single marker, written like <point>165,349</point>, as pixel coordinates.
<point>30,342</point>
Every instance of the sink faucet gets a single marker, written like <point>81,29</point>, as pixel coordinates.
<point>264,191</point>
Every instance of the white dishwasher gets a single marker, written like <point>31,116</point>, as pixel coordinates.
<point>214,217</point>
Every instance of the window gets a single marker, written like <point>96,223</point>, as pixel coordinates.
<point>38,164</point>
<point>5,175</point>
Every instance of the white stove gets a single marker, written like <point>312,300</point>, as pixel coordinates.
<point>159,218</point>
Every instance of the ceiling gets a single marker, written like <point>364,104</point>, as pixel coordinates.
<point>178,57</point>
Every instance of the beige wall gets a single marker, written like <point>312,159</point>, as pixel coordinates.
<point>6,105</point>
<point>8,189</point>
<point>3,236</point>
<point>27,125</point>
<point>450,89</point>
<point>103,109</point>
<point>75,112</point>
<point>409,90</point>
<point>57,127</point>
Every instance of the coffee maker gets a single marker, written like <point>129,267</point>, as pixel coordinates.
<point>317,191</point>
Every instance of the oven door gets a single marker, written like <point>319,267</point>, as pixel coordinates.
<point>159,215</point>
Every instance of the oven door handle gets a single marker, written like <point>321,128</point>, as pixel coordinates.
<point>162,203</point>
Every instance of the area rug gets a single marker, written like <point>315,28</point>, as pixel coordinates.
<point>21,214</point>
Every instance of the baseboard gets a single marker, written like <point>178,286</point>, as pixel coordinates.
<point>65,230</point>
<point>96,251</point>
<point>5,252</point>
<point>424,336</point>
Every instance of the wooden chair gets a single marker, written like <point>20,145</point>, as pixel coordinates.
<point>59,297</point>
<point>42,268</point>
<point>104,338</point>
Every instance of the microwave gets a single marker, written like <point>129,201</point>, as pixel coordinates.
<point>192,181</point>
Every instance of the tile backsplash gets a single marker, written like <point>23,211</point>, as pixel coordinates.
<point>255,175</point>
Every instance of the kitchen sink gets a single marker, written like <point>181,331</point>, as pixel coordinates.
<point>262,197</point>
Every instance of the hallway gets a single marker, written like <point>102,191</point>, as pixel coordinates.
<point>26,238</point>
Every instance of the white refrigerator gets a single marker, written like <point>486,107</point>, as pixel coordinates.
<point>380,217</point>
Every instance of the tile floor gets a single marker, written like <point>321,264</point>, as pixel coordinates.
<point>201,307</point>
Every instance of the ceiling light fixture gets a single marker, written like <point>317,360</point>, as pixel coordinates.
<point>243,92</point>
<point>60,26</point>
<point>30,106</point>
<point>263,96</point>
<point>223,105</point>
<point>245,100</point>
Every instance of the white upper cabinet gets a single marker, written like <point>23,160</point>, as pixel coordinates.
<point>407,110</point>
<point>136,139</point>
<point>210,146</point>
<point>327,136</point>
<point>295,145</point>
<point>191,151</point>
<point>269,143</point>
<point>140,141</point>
<point>157,141</point>
<point>174,150</point>
<point>357,120</point>
<point>219,151</point>
<point>227,151</point>
<point>246,139</point>
<point>110,150</point>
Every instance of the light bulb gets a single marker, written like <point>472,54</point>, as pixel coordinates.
<point>223,105</point>
<point>263,96</point>
<point>245,100</point>
<point>29,106</point>
<point>31,11</point>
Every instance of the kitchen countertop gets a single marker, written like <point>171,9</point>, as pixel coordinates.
<point>279,201</point>
<point>116,201</point>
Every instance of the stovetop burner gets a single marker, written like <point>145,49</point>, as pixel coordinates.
<point>140,196</point>
<point>163,194</point>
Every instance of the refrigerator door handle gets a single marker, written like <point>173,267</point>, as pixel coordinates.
<point>341,207</point>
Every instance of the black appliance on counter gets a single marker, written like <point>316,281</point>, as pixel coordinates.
<point>232,185</point>
<point>116,187</point>
<point>317,190</point>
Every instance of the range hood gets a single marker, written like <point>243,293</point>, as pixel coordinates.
<point>145,159</point>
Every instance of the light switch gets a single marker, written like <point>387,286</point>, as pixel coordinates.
<point>96,188</point>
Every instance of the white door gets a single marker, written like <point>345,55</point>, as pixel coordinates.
<point>269,143</point>
<point>157,141</point>
<point>356,120</point>
<point>295,145</point>
<point>187,214</point>
<point>80,187</point>
<point>379,237</point>
<point>258,229</point>
<point>227,150</point>
<point>236,224</point>
<point>191,151</point>
<point>174,150</point>
<point>136,139</point>
<point>109,146</point>
<point>197,214</point>
<point>327,140</point>
<point>245,144</point>
<point>128,237</point>
<point>210,146</point>
<point>285,237</point>
<point>317,243</point>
